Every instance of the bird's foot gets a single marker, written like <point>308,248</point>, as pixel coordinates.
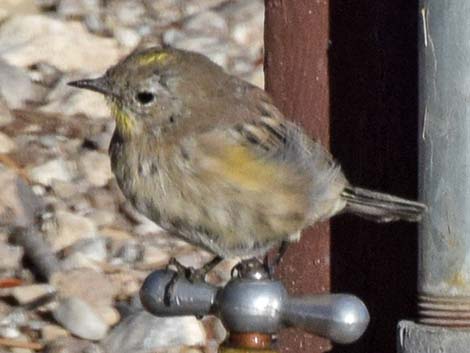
<point>190,273</point>
<point>272,262</point>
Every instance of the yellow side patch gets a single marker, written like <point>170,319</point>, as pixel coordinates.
<point>238,164</point>
<point>150,58</point>
<point>124,122</point>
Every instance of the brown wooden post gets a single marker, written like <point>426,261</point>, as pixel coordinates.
<point>296,43</point>
<point>372,124</point>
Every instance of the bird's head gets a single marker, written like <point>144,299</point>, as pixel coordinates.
<point>155,88</point>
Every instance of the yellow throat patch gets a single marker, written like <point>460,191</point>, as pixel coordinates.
<point>124,122</point>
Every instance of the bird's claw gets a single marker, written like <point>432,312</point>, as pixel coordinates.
<point>189,273</point>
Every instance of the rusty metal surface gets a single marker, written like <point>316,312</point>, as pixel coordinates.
<point>296,42</point>
<point>250,340</point>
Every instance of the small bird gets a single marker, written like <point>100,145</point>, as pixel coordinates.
<point>209,157</point>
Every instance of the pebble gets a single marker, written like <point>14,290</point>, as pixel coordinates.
<point>77,8</point>
<point>55,169</point>
<point>71,228</point>
<point>29,293</point>
<point>6,144</point>
<point>155,256</point>
<point>208,22</point>
<point>69,45</point>
<point>127,37</point>
<point>19,205</point>
<point>93,249</point>
<point>44,73</point>
<point>9,331</point>
<point>69,100</point>
<point>65,157</point>
<point>22,338</point>
<point>80,319</point>
<point>109,315</point>
<point>143,332</point>
<point>16,87</point>
<point>5,114</point>
<point>71,344</point>
<point>90,286</point>
<point>96,167</point>
<point>10,257</point>
<point>102,217</point>
<point>79,261</point>
<point>51,332</point>
<point>130,252</point>
<point>126,283</point>
<point>66,189</point>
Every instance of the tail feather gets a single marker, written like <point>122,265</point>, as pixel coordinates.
<point>381,207</point>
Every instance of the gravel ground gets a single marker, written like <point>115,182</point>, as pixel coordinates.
<point>73,252</point>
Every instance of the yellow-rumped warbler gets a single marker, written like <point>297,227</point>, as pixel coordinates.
<point>208,157</point>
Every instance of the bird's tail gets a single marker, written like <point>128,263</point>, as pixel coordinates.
<point>381,207</point>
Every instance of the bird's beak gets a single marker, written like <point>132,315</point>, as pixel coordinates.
<point>100,85</point>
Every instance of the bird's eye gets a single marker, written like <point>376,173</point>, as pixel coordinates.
<point>145,97</point>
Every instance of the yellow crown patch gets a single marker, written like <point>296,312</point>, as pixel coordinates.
<point>150,58</point>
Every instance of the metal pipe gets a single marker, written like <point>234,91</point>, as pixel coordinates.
<point>256,304</point>
<point>444,92</point>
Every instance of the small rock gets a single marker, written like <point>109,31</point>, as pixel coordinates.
<point>71,228</point>
<point>155,256</point>
<point>9,331</point>
<point>246,18</point>
<point>127,284</point>
<point>16,86</point>
<point>69,45</point>
<point>77,8</point>
<point>143,332</point>
<point>94,22</point>
<point>219,332</point>
<point>51,332</point>
<point>22,338</point>
<point>5,114</point>
<point>96,167</point>
<point>102,199</point>
<point>90,286</point>
<point>147,227</point>
<point>213,47</point>
<point>71,101</point>
<point>207,22</point>
<point>47,4</point>
<point>79,261</point>
<point>10,256</point>
<point>55,169</point>
<point>130,252</point>
<point>45,73</point>
<point>27,294</point>
<point>127,13</point>
<point>92,248</point>
<point>80,319</point>
<point>66,189</point>
<point>102,217</point>
<point>127,37</point>
<point>6,144</point>
<point>71,344</point>
<point>19,205</point>
<point>109,314</point>
<point>100,141</point>
<point>195,259</point>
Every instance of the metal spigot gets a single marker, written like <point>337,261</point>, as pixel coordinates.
<point>254,303</point>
